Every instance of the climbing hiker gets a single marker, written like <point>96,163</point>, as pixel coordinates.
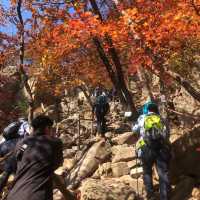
<point>19,128</point>
<point>12,134</point>
<point>101,108</point>
<point>153,148</point>
<point>37,157</point>
<point>8,163</point>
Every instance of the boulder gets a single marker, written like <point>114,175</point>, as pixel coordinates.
<point>132,164</point>
<point>124,154</point>
<point>125,138</point>
<point>69,153</point>
<point>104,170</point>
<point>136,184</point>
<point>116,148</point>
<point>106,189</point>
<point>119,169</point>
<point>111,170</point>
<point>68,164</point>
<point>97,154</point>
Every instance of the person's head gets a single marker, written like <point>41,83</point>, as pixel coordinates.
<point>42,125</point>
<point>152,107</point>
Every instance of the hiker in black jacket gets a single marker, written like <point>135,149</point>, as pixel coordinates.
<point>37,157</point>
<point>101,108</point>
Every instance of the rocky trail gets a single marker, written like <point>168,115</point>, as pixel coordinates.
<point>107,169</point>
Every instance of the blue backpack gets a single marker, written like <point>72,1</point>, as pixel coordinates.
<point>11,131</point>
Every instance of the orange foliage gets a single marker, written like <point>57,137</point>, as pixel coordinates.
<point>61,44</point>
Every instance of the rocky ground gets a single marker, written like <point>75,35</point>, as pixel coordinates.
<point>107,169</point>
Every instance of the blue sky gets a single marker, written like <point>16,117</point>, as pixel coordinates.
<point>10,28</point>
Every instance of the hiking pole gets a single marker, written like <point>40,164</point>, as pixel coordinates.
<point>92,131</point>
<point>137,177</point>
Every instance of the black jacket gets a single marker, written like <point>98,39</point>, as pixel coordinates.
<point>36,162</point>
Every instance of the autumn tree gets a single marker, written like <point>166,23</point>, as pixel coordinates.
<point>74,42</point>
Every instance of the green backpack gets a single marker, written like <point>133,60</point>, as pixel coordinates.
<point>154,129</point>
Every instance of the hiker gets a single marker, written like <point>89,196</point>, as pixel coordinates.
<point>101,108</point>
<point>19,128</point>
<point>37,157</point>
<point>153,148</point>
<point>12,134</point>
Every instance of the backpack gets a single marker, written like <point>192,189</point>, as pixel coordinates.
<point>11,131</point>
<point>154,133</point>
<point>102,105</point>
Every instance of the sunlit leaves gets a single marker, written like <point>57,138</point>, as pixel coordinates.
<point>63,42</point>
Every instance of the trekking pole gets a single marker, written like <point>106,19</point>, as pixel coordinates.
<point>137,177</point>
<point>92,131</point>
<point>79,137</point>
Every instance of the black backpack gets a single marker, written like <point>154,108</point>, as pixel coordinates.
<point>102,105</point>
<point>11,131</point>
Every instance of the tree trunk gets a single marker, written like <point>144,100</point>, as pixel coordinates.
<point>109,69</point>
<point>185,84</point>
<point>23,74</point>
<point>120,77</point>
<point>117,77</point>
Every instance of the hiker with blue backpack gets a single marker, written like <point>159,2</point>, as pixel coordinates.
<point>100,109</point>
<point>12,134</point>
<point>153,148</point>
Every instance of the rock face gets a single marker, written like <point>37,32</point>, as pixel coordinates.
<point>96,155</point>
<point>186,156</point>
<point>110,189</point>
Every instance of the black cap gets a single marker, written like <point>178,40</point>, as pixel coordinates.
<point>41,122</point>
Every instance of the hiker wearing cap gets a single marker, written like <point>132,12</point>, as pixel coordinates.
<point>153,148</point>
<point>37,157</point>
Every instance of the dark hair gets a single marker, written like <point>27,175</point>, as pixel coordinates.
<point>39,123</point>
<point>152,107</point>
